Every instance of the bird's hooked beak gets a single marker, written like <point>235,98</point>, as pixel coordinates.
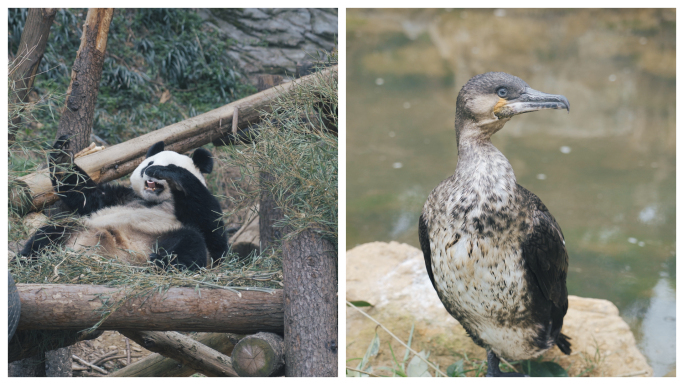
<point>529,101</point>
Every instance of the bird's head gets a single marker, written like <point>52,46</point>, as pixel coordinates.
<point>486,102</point>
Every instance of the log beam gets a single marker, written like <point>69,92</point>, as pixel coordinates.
<point>157,365</point>
<point>74,306</point>
<point>186,351</point>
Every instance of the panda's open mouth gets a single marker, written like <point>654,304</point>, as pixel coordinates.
<point>153,186</point>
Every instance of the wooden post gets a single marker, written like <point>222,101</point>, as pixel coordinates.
<point>79,113</point>
<point>310,274</point>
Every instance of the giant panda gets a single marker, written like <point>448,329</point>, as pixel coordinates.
<point>167,215</point>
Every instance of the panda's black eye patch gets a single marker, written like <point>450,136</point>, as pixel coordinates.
<point>502,92</point>
<point>142,171</point>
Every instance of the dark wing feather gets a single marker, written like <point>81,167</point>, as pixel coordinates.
<point>424,238</point>
<point>546,257</point>
<point>544,252</point>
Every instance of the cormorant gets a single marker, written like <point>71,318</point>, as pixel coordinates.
<point>494,253</point>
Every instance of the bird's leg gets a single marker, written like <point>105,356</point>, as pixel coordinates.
<point>493,367</point>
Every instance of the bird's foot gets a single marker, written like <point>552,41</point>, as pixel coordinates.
<point>493,367</point>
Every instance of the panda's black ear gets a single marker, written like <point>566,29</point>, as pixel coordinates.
<point>203,160</point>
<point>156,148</point>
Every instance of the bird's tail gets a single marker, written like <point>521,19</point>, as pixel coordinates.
<point>563,343</point>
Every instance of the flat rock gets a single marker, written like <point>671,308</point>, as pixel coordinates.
<point>392,277</point>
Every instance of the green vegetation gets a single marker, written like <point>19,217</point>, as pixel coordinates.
<point>152,54</point>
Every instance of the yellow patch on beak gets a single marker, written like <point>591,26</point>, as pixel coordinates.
<point>500,104</point>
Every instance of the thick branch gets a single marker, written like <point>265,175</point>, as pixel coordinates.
<point>121,159</point>
<point>156,365</point>
<point>65,306</point>
<point>185,350</point>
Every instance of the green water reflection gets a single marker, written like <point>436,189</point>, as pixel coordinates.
<point>606,170</point>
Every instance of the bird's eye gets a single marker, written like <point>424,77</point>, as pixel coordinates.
<point>502,92</point>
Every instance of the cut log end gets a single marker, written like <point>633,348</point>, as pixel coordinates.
<point>259,355</point>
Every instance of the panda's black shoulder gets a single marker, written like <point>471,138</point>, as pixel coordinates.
<point>112,195</point>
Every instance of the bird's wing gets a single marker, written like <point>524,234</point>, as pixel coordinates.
<point>545,254</point>
<point>424,238</point>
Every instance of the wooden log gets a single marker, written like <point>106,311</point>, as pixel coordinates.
<point>259,355</point>
<point>186,351</point>
<point>156,365</point>
<point>246,239</point>
<point>121,159</point>
<point>73,306</point>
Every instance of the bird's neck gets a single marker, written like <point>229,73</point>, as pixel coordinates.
<point>482,166</point>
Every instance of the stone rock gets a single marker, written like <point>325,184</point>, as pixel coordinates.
<point>273,41</point>
<point>393,279</point>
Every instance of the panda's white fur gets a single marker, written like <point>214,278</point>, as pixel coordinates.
<point>125,232</point>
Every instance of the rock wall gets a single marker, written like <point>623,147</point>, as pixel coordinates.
<point>273,41</point>
<point>392,278</point>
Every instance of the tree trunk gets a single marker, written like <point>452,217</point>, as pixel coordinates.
<point>310,274</point>
<point>121,159</point>
<point>67,306</point>
<point>157,365</point>
<point>30,53</point>
<point>186,351</point>
<point>259,355</point>
<point>79,114</point>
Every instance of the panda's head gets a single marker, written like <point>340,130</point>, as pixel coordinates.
<point>156,190</point>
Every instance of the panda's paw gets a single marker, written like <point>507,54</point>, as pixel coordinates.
<point>60,150</point>
<point>164,261</point>
<point>171,173</point>
<point>62,142</point>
